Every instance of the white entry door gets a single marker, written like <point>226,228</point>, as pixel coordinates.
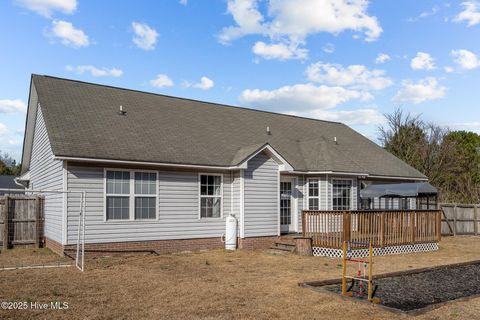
<point>286,205</point>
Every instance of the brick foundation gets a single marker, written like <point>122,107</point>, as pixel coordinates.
<point>256,242</point>
<point>160,246</point>
<point>54,246</point>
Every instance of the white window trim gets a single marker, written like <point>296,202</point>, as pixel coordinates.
<point>293,201</point>
<point>351,191</point>
<point>131,196</point>
<point>311,197</point>
<point>200,174</point>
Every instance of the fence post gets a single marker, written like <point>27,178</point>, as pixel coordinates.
<point>5,223</point>
<point>455,220</point>
<point>475,219</point>
<point>439,226</point>
<point>37,222</point>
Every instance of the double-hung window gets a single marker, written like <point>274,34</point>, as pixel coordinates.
<point>210,196</point>
<point>341,194</point>
<point>145,195</point>
<point>313,194</point>
<point>118,195</point>
<point>131,195</point>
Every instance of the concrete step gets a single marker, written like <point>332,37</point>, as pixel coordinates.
<point>283,246</point>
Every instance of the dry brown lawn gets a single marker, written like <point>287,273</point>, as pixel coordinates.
<point>215,285</point>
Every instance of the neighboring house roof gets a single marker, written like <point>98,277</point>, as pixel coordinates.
<point>8,182</point>
<point>82,120</point>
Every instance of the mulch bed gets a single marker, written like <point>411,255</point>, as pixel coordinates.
<point>414,291</point>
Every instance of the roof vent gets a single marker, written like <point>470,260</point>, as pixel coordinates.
<point>122,112</point>
<point>268,131</point>
<point>335,140</point>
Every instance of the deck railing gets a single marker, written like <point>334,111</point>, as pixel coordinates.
<point>383,228</point>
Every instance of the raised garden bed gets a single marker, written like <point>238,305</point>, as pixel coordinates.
<point>420,290</point>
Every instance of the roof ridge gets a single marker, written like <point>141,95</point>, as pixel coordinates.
<point>188,99</point>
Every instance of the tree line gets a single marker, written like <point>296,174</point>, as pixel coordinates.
<point>8,165</point>
<point>450,159</point>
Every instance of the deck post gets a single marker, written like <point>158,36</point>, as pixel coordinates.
<point>303,223</point>
<point>347,226</point>
<point>413,228</point>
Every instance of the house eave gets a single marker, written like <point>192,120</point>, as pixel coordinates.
<point>358,174</point>
<point>145,163</point>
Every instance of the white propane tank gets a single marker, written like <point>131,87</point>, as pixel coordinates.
<point>231,232</point>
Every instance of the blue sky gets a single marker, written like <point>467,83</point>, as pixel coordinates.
<point>349,61</point>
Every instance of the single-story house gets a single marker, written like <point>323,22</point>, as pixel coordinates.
<point>164,172</point>
<point>8,182</point>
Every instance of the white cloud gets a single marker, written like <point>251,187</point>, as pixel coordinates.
<point>9,138</point>
<point>425,14</point>
<point>291,22</point>
<point>382,58</point>
<point>12,106</point>
<point>204,84</point>
<point>364,116</point>
<point>423,90</point>
<point>184,2</point>
<point>162,80</point>
<point>329,48</point>
<point>470,13</point>
<point>422,61</point>
<point>465,59</point>
<point>279,51</point>
<point>47,7</point>
<point>249,20</point>
<point>448,69</point>
<point>96,72</point>
<point>145,36</point>
<point>353,76</point>
<point>300,96</point>
<point>69,35</point>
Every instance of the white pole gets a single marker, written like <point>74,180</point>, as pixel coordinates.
<point>79,228</point>
<point>83,229</point>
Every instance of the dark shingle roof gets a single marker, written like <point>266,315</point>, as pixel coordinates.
<point>8,182</point>
<point>82,121</point>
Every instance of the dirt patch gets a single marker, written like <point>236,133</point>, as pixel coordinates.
<point>419,290</point>
<point>21,257</point>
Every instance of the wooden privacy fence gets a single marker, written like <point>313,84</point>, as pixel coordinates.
<point>21,221</point>
<point>460,219</point>
<point>383,228</point>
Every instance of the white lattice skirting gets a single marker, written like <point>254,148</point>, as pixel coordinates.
<point>358,253</point>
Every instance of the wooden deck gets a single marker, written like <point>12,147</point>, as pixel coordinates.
<point>383,228</point>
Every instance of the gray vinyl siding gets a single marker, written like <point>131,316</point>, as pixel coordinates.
<point>178,204</point>
<point>261,196</point>
<point>236,194</point>
<point>47,174</point>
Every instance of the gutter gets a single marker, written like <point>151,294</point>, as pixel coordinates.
<point>236,167</point>
<point>157,164</point>
<point>363,175</point>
